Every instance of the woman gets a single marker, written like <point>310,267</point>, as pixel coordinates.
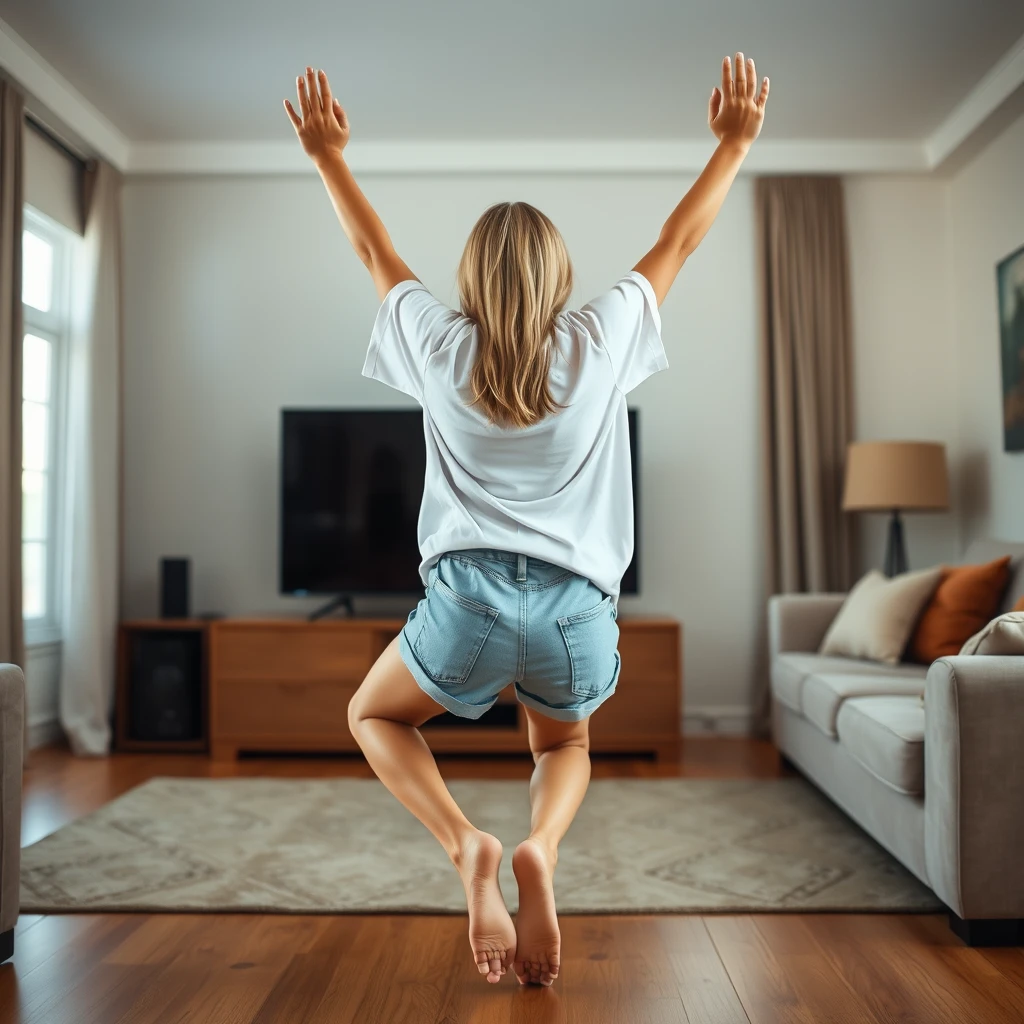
<point>527,520</point>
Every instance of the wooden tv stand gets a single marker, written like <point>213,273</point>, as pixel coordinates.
<point>285,684</point>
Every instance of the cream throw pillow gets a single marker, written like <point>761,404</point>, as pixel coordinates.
<point>879,615</point>
<point>1003,635</point>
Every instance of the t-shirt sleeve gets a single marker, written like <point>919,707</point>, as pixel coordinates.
<point>411,325</point>
<point>625,322</point>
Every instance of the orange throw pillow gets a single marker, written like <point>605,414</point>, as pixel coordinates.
<point>1019,606</point>
<point>967,598</point>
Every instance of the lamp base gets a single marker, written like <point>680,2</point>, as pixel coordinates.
<point>895,549</point>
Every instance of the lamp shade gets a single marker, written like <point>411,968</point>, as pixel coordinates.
<point>883,476</point>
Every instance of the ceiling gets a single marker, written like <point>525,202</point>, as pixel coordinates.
<point>217,70</point>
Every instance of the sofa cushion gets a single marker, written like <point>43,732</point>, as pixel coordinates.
<point>878,616</point>
<point>823,693</point>
<point>886,736</point>
<point>967,598</point>
<point>791,668</point>
<point>1003,635</point>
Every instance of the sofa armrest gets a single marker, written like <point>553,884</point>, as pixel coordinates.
<point>12,726</point>
<point>799,622</point>
<point>974,784</point>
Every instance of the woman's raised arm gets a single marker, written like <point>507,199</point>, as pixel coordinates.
<point>323,130</point>
<point>735,115</point>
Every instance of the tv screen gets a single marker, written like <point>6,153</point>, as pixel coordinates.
<point>351,485</point>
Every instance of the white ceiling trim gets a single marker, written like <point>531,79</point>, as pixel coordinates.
<point>528,157</point>
<point>46,85</point>
<point>1005,78</point>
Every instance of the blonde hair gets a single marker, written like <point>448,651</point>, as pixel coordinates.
<point>514,278</point>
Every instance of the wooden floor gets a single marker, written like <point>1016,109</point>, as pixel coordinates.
<point>273,969</point>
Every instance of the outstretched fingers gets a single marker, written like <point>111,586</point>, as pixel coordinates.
<point>325,91</point>
<point>727,83</point>
<point>292,116</point>
<point>762,99</point>
<point>741,76</point>
<point>311,89</point>
<point>300,89</point>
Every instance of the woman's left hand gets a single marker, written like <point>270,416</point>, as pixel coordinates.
<point>322,127</point>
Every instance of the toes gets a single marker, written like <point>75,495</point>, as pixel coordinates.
<point>491,962</point>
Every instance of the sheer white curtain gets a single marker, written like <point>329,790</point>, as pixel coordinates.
<point>91,518</point>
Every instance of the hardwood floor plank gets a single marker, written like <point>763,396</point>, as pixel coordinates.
<point>233,967</point>
<point>410,985</point>
<point>858,955</point>
<point>764,987</point>
<point>980,982</point>
<point>302,985</point>
<point>704,986</point>
<point>364,952</point>
<point>818,986</point>
<point>44,994</point>
<point>1009,963</point>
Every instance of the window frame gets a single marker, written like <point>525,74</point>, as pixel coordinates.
<point>53,326</point>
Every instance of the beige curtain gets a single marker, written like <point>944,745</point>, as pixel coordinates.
<point>92,525</point>
<point>12,632</point>
<point>805,386</point>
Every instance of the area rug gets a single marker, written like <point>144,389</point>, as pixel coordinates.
<point>347,846</point>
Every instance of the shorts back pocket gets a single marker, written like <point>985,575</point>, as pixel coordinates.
<point>451,633</point>
<point>592,638</point>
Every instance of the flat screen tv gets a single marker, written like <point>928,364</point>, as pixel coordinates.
<point>351,484</point>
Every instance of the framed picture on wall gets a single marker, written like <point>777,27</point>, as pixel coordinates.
<point>1010,283</point>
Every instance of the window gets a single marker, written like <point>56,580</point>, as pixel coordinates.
<point>46,265</point>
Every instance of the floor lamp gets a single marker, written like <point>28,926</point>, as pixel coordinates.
<point>895,477</point>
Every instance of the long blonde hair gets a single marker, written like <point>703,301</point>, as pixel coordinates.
<point>514,278</point>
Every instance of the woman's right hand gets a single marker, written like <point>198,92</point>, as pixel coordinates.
<point>736,110</point>
<point>323,127</point>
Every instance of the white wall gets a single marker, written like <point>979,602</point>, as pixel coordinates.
<point>241,296</point>
<point>986,216</point>
<point>905,381</point>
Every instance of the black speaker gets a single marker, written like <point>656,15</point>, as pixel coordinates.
<point>165,685</point>
<point>174,588</point>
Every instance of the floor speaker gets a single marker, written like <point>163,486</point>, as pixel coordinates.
<point>165,685</point>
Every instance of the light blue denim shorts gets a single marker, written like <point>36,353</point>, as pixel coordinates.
<point>490,618</point>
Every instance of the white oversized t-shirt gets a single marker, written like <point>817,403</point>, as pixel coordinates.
<point>559,490</point>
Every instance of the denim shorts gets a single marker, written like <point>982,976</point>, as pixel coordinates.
<point>490,618</point>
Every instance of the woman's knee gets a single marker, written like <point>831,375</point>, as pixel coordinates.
<point>548,734</point>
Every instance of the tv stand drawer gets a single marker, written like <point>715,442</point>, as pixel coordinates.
<point>303,651</point>
<point>284,710</point>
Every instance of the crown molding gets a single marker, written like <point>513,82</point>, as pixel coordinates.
<point>998,85</point>
<point>583,156</point>
<point>51,94</point>
<point>47,87</point>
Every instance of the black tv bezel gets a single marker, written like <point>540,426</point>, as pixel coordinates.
<point>632,412</point>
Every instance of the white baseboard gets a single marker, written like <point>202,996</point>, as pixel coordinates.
<point>718,720</point>
<point>42,731</point>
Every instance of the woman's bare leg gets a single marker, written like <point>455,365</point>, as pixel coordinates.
<point>384,715</point>
<point>561,753</point>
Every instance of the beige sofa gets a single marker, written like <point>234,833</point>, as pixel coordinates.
<point>938,782</point>
<point>12,729</point>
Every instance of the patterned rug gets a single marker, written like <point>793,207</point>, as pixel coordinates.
<point>347,846</point>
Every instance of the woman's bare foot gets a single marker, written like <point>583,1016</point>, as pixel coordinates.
<point>538,941</point>
<point>492,936</point>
